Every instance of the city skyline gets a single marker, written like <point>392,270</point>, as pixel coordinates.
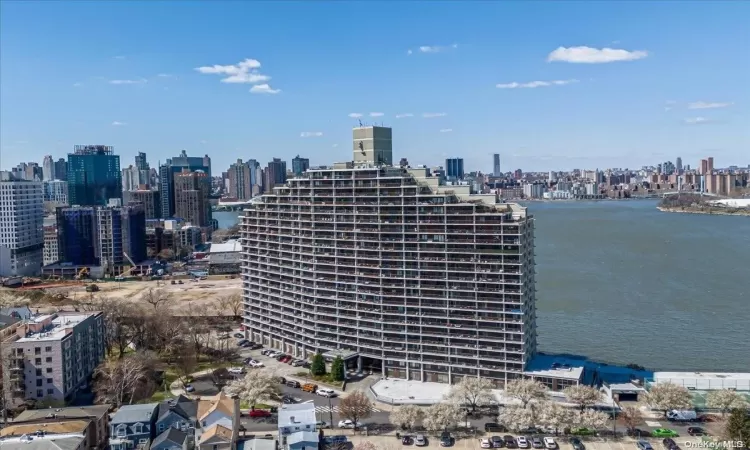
<point>521,89</point>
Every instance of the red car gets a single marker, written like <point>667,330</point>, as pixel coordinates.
<point>259,413</point>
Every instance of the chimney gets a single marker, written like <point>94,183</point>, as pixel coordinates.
<point>235,421</point>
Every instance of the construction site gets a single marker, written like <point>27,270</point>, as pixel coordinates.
<point>182,290</point>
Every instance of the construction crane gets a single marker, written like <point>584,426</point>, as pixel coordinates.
<point>132,266</point>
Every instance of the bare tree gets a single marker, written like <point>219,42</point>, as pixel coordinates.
<point>666,396</point>
<point>255,387</point>
<point>185,362</point>
<point>473,392</point>
<point>355,407</point>
<point>525,390</point>
<point>582,395</point>
<point>232,304</point>
<point>406,416</point>
<point>126,379</point>
<point>157,298</point>
<point>440,416</point>
<point>725,400</point>
<point>632,417</point>
<point>117,316</point>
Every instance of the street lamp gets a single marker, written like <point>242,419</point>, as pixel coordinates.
<point>330,412</point>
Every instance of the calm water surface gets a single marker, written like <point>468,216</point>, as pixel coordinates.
<point>622,282</point>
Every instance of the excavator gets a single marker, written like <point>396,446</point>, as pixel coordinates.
<point>82,272</point>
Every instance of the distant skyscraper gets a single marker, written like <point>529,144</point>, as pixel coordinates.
<point>21,228</point>
<point>703,167</point>
<point>276,173</point>
<point>93,175</point>
<point>300,165</point>
<point>140,161</point>
<point>174,166</point>
<point>496,165</point>
<point>239,181</point>
<point>61,169</point>
<point>710,164</point>
<point>191,193</point>
<point>679,165</point>
<point>77,229</point>
<point>48,168</point>
<point>454,168</point>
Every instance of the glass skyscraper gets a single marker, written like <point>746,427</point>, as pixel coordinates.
<point>93,175</point>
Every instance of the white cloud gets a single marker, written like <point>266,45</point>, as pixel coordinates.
<point>138,81</point>
<point>433,115</point>
<point>79,84</point>
<point>708,105</point>
<point>203,141</point>
<point>263,89</point>
<point>697,120</point>
<point>165,75</point>
<point>446,130</point>
<point>244,72</point>
<point>334,145</point>
<point>376,114</point>
<point>534,84</point>
<point>667,108</point>
<point>409,52</point>
<point>355,115</point>
<point>119,57</point>
<point>22,142</point>
<point>436,48</point>
<point>588,55</point>
<point>118,124</point>
<point>399,116</point>
<point>306,134</point>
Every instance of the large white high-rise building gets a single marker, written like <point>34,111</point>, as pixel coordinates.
<point>21,222</point>
<point>48,168</point>
<point>391,269</point>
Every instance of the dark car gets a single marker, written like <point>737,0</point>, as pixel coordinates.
<point>407,440</point>
<point>446,440</point>
<point>537,442</point>
<point>696,431</point>
<point>239,335</point>
<point>510,441</point>
<point>577,444</point>
<point>493,426</point>
<point>670,444</point>
<point>496,441</point>
<point>293,384</point>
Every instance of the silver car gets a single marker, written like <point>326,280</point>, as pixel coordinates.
<point>420,440</point>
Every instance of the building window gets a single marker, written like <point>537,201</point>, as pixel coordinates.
<point>49,381</point>
<point>50,391</point>
<point>49,359</point>
<point>39,393</point>
<point>49,369</point>
<point>37,350</point>
<point>39,372</point>
<point>38,361</point>
<point>138,428</point>
<point>161,427</point>
<point>47,349</point>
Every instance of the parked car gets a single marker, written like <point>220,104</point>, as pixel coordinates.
<point>189,388</point>
<point>643,445</point>
<point>670,444</point>
<point>242,342</point>
<point>288,399</point>
<point>407,440</point>
<point>326,392</point>
<point>522,442</point>
<point>349,424</point>
<point>420,440</point>
<point>489,427</point>
<point>310,387</point>
<point>255,364</point>
<point>550,443</point>
<point>696,431</point>
<point>259,413</point>
<point>322,424</point>
<point>293,384</point>
<point>664,432</point>
<point>497,441</point>
<point>446,440</point>
<point>537,442</point>
<point>236,370</point>
<point>485,443</point>
<point>297,362</point>
<point>239,335</point>
<point>577,444</point>
<point>510,441</point>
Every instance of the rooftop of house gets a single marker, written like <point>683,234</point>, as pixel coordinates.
<point>218,432</point>
<point>297,413</point>
<point>170,435</point>
<point>135,413</point>
<point>257,444</point>
<point>228,246</point>
<point>49,442</point>
<point>36,415</point>
<point>302,436</point>
<point>181,405</point>
<point>64,427</point>
<point>221,403</point>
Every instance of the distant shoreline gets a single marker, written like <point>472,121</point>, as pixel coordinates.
<point>715,212</point>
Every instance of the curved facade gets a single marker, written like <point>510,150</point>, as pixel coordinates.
<point>427,280</point>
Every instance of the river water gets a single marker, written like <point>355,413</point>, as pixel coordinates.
<point>621,282</point>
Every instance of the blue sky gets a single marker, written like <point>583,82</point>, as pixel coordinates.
<point>528,80</point>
